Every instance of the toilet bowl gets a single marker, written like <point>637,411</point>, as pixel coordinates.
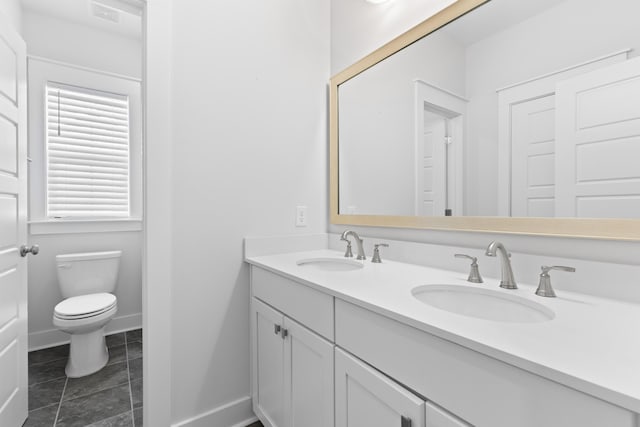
<point>87,281</point>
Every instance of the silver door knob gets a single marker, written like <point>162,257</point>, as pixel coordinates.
<point>24,250</point>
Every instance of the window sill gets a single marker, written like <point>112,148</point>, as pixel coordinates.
<point>70,226</point>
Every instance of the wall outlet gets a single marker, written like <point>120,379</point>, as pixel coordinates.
<point>301,216</point>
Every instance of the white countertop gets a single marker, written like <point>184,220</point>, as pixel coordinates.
<point>592,344</point>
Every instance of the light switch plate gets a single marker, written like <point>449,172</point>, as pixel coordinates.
<point>301,216</point>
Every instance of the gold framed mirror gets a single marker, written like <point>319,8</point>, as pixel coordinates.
<point>474,94</point>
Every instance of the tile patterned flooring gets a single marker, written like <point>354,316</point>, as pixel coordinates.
<point>112,397</point>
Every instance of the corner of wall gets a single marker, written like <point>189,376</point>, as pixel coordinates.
<point>157,247</point>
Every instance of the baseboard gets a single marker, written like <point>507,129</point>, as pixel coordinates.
<point>238,413</point>
<point>52,337</point>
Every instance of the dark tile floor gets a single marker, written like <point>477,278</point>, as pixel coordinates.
<point>111,397</point>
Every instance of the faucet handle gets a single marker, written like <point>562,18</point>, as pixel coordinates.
<point>544,287</point>
<point>474,274</point>
<point>546,270</point>
<point>473,259</point>
<point>376,252</point>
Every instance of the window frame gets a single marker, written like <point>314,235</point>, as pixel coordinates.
<point>40,72</point>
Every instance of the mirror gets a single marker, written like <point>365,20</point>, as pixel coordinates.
<point>523,113</point>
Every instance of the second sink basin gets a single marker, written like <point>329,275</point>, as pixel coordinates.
<point>331,264</point>
<point>482,303</point>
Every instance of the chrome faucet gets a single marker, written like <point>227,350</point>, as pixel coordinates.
<point>507,281</point>
<point>348,233</point>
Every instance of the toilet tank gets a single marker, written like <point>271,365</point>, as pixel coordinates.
<point>87,273</point>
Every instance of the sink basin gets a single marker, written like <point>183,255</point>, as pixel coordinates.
<point>483,303</point>
<point>331,264</point>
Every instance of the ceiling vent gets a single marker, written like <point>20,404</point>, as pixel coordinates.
<point>106,13</point>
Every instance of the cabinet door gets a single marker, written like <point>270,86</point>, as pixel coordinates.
<point>308,374</point>
<point>366,398</point>
<point>268,364</point>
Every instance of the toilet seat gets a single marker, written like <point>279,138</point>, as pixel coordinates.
<point>85,306</point>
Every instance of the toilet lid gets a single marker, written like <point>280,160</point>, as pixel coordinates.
<point>85,305</point>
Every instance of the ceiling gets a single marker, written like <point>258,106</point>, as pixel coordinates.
<point>127,12</point>
<point>494,17</point>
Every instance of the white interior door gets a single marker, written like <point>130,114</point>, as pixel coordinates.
<point>598,134</point>
<point>431,158</point>
<point>13,228</point>
<point>533,158</point>
<point>308,362</point>
<point>366,398</point>
<point>439,140</point>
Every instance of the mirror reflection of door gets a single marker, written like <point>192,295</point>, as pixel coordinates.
<point>439,130</point>
<point>599,130</point>
<point>591,171</point>
<point>547,145</point>
<point>432,156</point>
<point>533,158</point>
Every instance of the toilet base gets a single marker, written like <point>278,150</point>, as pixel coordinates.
<point>87,354</point>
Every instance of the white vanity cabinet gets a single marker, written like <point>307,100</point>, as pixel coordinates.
<point>320,361</point>
<point>292,367</point>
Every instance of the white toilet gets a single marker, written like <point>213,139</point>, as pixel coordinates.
<point>87,281</point>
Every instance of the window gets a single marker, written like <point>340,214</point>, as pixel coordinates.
<point>85,145</point>
<point>87,153</point>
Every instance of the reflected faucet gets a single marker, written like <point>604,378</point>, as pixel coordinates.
<point>348,233</point>
<point>507,281</point>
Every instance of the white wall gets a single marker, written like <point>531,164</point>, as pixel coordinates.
<point>249,143</point>
<point>350,44</point>
<point>78,44</point>
<point>12,10</point>
<point>377,116</point>
<point>539,45</point>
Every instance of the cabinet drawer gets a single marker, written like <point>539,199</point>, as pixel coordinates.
<point>307,306</point>
<point>481,390</point>
<point>437,417</point>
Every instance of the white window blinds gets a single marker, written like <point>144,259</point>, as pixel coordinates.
<point>87,153</point>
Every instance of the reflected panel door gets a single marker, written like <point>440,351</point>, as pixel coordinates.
<point>533,158</point>
<point>598,129</point>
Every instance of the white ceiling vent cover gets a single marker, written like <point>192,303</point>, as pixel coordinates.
<point>106,13</point>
